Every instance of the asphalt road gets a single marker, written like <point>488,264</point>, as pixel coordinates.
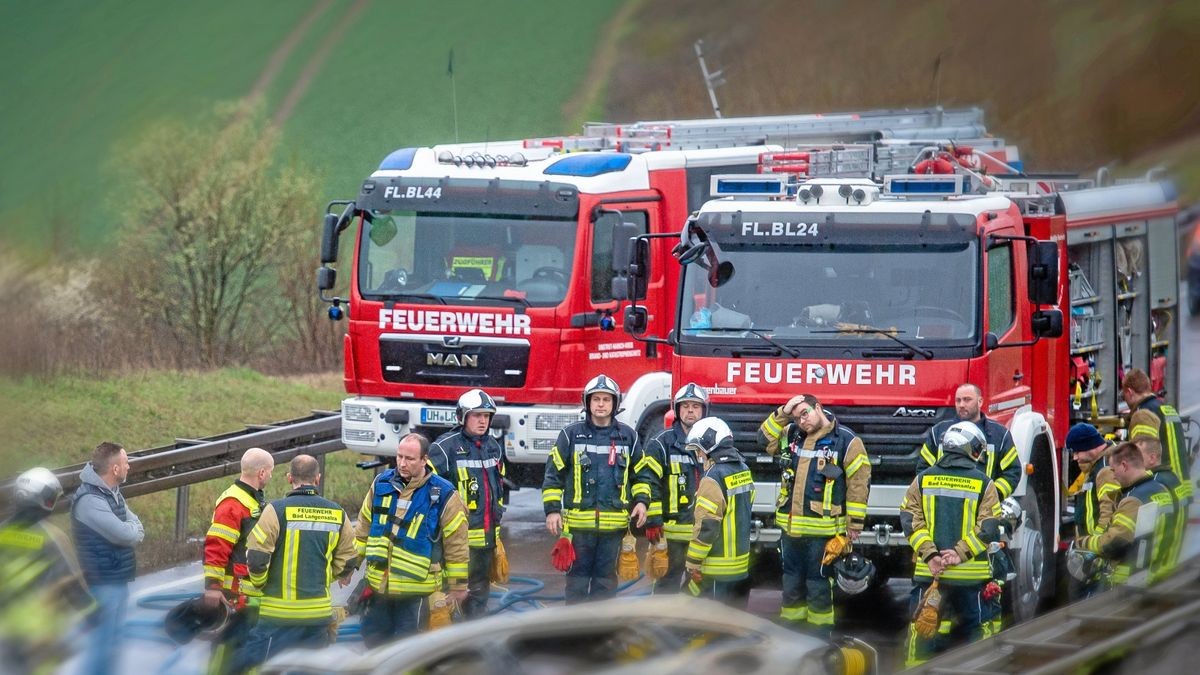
<point>879,618</point>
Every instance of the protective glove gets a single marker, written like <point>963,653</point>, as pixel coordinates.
<point>360,597</point>
<point>653,533</point>
<point>657,560</point>
<point>499,571</point>
<point>694,576</point>
<point>991,591</point>
<point>925,623</point>
<point>627,562</point>
<point>441,610</point>
<point>1084,474</point>
<point>837,546</point>
<point>338,616</point>
<point>563,554</point>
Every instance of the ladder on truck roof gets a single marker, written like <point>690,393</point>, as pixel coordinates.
<point>931,124</point>
<point>860,160</point>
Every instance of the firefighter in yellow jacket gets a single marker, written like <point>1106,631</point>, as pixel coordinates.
<point>300,544</point>
<point>1143,432</point>
<point>412,533</point>
<point>822,501</point>
<point>945,516</point>
<point>1139,526</point>
<point>718,555</point>
<point>1096,493</point>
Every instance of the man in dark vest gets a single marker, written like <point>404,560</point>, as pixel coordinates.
<point>105,532</point>
<point>299,544</point>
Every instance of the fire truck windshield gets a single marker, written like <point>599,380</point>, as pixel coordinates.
<point>418,257</point>
<point>826,294</point>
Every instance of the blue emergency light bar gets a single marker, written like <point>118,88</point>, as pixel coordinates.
<point>925,185</point>
<point>748,186</point>
<point>588,165</point>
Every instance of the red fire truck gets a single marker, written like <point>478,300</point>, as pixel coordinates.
<point>488,264</point>
<point>881,297</point>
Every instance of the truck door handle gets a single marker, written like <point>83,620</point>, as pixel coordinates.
<point>1018,376</point>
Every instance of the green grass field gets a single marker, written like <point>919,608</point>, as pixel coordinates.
<point>80,80</point>
<point>58,422</point>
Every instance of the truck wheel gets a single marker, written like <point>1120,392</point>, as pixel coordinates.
<point>651,422</point>
<point>1025,593</point>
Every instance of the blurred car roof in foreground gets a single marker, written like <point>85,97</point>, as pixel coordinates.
<point>662,634</point>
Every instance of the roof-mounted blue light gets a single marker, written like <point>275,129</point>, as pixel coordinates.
<point>399,160</point>
<point>749,186</point>
<point>925,185</point>
<point>587,165</point>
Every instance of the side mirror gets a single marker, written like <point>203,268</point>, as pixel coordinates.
<point>1043,274</point>
<point>636,320</point>
<point>639,269</point>
<point>326,278</point>
<point>1047,323</point>
<point>622,241</point>
<point>329,239</point>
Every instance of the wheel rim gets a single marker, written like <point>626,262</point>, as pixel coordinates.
<point>1030,572</point>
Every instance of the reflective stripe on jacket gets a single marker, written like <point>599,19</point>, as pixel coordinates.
<point>586,476</point>
<point>721,534</point>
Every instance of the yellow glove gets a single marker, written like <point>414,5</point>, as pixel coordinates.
<point>627,562</point>
<point>338,616</point>
<point>441,610</point>
<point>499,571</point>
<point>656,560</point>
<point>1084,472</point>
<point>836,547</point>
<point>926,622</point>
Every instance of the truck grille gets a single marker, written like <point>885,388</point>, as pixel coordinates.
<point>893,440</point>
<point>454,361</point>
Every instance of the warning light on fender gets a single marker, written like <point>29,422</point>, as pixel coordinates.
<point>1029,469</point>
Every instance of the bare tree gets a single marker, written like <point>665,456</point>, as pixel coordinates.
<point>208,220</point>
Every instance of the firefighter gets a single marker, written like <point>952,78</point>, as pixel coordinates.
<point>225,572</point>
<point>1137,394</point>
<point>667,472</point>
<point>412,533</point>
<point>1138,528</point>
<point>945,515</point>
<point>584,493</point>
<point>1143,432</point>
<point>1096,492</point>
<point>822,503</point>
<point>999,462</point>
<point>40,579</point>
<point>718,554</point>
<point>472,458</point>
<point>299,544</point>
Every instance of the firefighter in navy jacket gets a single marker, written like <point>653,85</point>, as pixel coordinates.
<point>471,458</point>
<point>584,493</point>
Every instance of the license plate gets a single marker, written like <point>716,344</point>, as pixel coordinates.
<point>442,417</point>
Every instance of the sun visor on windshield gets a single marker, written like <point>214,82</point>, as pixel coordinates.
<point>544,199</point>
<point>740,228</point>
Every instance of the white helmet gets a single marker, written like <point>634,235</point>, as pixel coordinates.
<point>964,438</point>
<point>690,392</point>
<point>709,433</point>
<point>475,400</point>
<point>602,384</point>
<point>37,487</point>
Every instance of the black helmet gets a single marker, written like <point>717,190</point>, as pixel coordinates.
<point>964,438</point>
<point>192,618</point>
<point>475,400</point>
<point>37,487</point>
<point>602,384</point>
<point>690,392</point>
<point>854,572</point>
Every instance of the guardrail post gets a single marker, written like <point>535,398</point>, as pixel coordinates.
<point>321,468</point>
<point>181,512</point>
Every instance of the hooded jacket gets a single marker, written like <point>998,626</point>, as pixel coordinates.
<point>105,530</point>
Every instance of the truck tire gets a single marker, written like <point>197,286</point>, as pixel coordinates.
<point>1036,559</point>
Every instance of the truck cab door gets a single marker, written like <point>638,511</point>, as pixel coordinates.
<point>1009,375</point>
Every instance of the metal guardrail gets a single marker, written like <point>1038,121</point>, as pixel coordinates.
<point>189,461</point>
<point>1088,635</point>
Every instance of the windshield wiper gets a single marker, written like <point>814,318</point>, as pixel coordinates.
<point>503,298</point>
<point>872,330</point>
<point>423,296</point>
<point>753,331</point>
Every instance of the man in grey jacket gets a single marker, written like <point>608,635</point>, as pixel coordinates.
<point>105,530</point>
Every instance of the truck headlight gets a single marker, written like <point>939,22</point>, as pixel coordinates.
<point>357,413</point>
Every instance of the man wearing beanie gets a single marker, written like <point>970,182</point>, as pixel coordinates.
<point>1143,431</point>
<point>1096,492</point>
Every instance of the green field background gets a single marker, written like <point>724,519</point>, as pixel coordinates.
<point>81,79</point>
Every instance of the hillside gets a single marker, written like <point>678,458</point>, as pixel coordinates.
<point>1076,85</point>
<point>349,81</point>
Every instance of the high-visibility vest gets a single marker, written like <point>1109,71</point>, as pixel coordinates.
<point>295,586</point>
<point>401,551</point>
<point>950,501</point>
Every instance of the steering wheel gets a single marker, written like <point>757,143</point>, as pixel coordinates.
<point>550,274</point>
<point>933,310</point>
